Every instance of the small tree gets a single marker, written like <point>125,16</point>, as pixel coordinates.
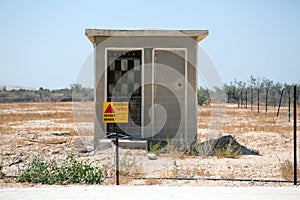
<point>202,96</point>
<point>76,87</point>
<point>230,91</point>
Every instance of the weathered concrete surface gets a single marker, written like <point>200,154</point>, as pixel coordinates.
<point>128,144</point>
<point>197,34</point>
<point>150,192</point>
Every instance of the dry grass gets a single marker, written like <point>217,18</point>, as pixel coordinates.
<point>169,174</point>
<point>19,117</point>
<point>287,170</point>
<point>36,130</point>
<point>151,181</point>
<point>229,175</point>
<point>180,171</point>
<point>123,180</point>
<point>55,140</point>
<point>241,120</point>
<point>203,173</point>
<point>61,113</point>
<point>138,174</point>
<point>40,117</point>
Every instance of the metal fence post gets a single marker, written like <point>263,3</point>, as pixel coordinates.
<point>246,98</point>
<point>258,101</point>
<point>280,102</point>
<point>295,135</point>
<point>251,98</point>
<point>267,93</point>
<point>289,111</point>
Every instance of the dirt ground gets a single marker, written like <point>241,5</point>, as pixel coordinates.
<point>53,130</point>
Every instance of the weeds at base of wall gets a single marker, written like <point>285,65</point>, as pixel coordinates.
<point>155,147</point>
<point>230,151</point>
<point>168,148</point>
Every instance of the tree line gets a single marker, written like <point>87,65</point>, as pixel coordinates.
<point>75,92</point>
<point>253,90</point>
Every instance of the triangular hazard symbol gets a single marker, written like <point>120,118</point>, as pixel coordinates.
<point>109,109</point>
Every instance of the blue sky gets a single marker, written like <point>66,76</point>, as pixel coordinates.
<point>43,42</point>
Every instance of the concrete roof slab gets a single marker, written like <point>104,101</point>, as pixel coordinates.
<point>198,35</point>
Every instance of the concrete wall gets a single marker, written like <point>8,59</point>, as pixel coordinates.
<point>162,57</point>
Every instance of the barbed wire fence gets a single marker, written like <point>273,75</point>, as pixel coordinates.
<point>275,102</point>
<point>265,101</point>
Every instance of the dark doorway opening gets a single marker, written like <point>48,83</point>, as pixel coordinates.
<point>124,84</point>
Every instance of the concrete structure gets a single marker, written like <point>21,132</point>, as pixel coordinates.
<point>147,67</point>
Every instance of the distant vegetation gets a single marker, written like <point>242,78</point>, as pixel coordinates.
<point>239,91</point>
<point>233,92</point>
<point>203,96</point>
<point>74,93</point>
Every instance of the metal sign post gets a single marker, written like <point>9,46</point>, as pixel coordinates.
<point>117,156</point>
<point>116,112</point>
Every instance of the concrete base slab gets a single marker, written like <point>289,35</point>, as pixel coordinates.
<point>126,144</point>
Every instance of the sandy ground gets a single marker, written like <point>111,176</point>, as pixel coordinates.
<point>54,130</point>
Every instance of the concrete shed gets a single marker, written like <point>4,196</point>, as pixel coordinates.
<point>156,72</point>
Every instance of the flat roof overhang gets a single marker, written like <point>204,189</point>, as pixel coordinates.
<point>197,35</point>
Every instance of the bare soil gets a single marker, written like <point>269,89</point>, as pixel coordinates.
<point>53,130</point>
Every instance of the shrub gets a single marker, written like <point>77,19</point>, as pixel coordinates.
<point>71,171</point>
<point>163,147</point>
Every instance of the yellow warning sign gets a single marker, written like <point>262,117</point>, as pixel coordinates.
<point>115,112</point>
